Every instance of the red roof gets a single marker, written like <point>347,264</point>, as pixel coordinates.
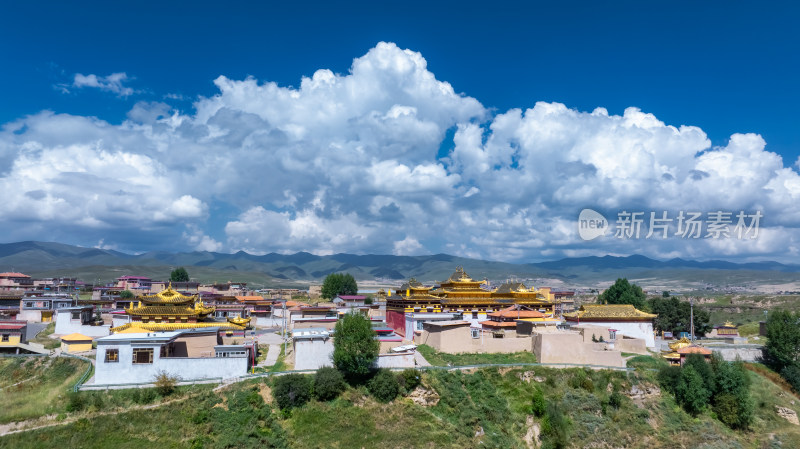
<point>13,275</point>
<point>13,325</point>
<point>498,323</point>
<point>353,297</point>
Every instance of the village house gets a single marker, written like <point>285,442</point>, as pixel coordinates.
<point>137,356</point>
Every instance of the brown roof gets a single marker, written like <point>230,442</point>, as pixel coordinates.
<point>498,323</point>
<point>694,350</point>
<point>13,275</point>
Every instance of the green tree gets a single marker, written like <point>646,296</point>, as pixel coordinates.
<point>179,275</point>
<point>126,294</point>
<point>355,348</point>
<point>782,349</point>
<point>732,401</point>
<point>674,315</point>
<point>623,292</point>
<point>339,284</point>
<point>665,294</point>
<point>691,391</point>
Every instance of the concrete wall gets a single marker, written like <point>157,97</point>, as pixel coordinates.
<point>327,324</point>
<point>76,347</point>
<point>65,326</point>
<point>30,315</point>
<point>400,360</point>
<point>313,354</point>
<point>458,339</point>
<point>124,371</point>
<point>748,353</point>
<point>634,345</point>
<point>643,330</point>
<point>569,347</point>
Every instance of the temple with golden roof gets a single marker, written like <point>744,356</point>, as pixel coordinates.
<point>170,310</point>
<point>460,295</point>
<point>623,318</point>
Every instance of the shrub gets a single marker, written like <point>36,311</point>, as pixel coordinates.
<point>555,427</point>
<point>75,402</point>
<point>383,386</point>
<point>292,390</point>
<point>538,404</point>
<point>616,399</point>
<point>691,391</point>
<point>165,384</point>
<point>792,375</point>
<point>328,383</point>
<point>409,379</point>
<point>668,377</point>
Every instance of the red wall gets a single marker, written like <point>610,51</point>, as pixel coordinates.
<point>397,321</point>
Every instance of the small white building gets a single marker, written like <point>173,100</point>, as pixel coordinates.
<point>189,355</point>
<point>78,320</point>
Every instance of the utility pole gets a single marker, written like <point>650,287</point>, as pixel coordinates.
<point>691,316</point>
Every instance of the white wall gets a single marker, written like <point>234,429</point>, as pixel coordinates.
<point>124,371</point>
<point>643,330</point>
<point>65,325</point>
<point>399,360</point>
<point>313,354</point>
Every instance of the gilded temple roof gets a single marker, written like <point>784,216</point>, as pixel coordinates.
<point>459,276</point>
<point>154,327</point>
<point>679,344</point>
<point>169,310</point>
<point>168,296</point>
<point>609,312</point>
<point>512,287</point>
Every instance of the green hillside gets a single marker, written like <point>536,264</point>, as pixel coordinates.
<point>482,408</point>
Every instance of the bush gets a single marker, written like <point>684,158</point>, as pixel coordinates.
<point>792,375</point>
<point>409,379</point>
<point>328,383</point>
<point>75,402</point>
<point>538,404</point>
<point>668,377</point>
<point>556,427</point>
<point>292,390</point>
<point>165,384</point>
<point>383,386</point>
<point>691,391</point>
<point>616,399</point>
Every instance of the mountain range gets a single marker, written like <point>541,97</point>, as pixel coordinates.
<point>58,259</point>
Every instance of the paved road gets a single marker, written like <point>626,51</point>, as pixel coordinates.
<point>33,329</point>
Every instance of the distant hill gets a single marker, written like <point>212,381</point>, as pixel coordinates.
<point>56,259</point>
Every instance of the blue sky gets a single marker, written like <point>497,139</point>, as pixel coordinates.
<point>726,68</point>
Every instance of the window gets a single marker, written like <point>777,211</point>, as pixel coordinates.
<point>474,315</point>
<point>76,315</point>
<point>5,337</point>
<point>112,355</point>
<point>142,355</point>
<point>419,325</point>
<point>476,333</point>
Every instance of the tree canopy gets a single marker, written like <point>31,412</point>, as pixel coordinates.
<point>674,315</point>
<point>355,348</point>
<point>126,294</point>
<point>179,275</point>
<point>623,292</point>
<point>339,284</point>
<point>782,349</point>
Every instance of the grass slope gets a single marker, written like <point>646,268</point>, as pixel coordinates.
<point>437,358</point>
<point>36,386</point>
<point>482,408</point>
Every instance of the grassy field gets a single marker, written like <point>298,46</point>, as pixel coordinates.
<point>36,386</point>
<point>490,408</point>
<point>437,358</point>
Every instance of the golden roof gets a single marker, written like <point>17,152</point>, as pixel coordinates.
<point>679,344</point>
<point>610,312</point>
<point>76,337</point>
<point>239,321</point>
<point>168,311</point>
<point>460,276</point>
<point>154,327</point>
<point>168,296</point>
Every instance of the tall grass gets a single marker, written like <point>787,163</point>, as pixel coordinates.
<point>437,358</point>
<point>41,386</point>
